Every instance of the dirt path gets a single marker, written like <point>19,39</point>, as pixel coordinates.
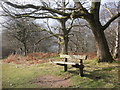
<point>51,82</point>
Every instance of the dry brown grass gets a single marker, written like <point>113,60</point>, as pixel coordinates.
<point>32,58</point>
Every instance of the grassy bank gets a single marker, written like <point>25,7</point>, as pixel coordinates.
<point>100,75</point>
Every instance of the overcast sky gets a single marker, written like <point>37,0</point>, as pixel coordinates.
<point>37,1</point>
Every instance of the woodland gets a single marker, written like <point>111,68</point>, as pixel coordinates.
<point>36,32</point>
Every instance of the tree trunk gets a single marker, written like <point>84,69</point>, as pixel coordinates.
<point>103,52</point>
<point>116,51</point>
<point>65,37</point>
<point>66,44</point>
<point>65,32</point>
<point>117,42</point>
<point>118,56</point>
<point>25,49</point>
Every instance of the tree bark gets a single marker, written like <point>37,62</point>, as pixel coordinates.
<point>118,56</point>
<point>103,53</point>
<point>116,51</point>
<point>64,45</point>
<point>25,49</point>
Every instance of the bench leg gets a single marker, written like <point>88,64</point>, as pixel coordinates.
<point>81,68</point>
<point>81,72</point>
<point>65,66</point>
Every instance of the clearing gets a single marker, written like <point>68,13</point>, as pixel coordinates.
<point>39,73</point>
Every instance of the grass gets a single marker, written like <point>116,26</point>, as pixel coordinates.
<point>102,75</point>
<point>21,76</point>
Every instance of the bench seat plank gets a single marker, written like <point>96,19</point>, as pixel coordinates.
<point>74,56</point>
<point>60,62</point>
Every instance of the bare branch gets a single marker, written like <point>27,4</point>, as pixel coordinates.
<point>108,10</point>
<point>71,26</point>
<point>35,17</point>
<point>43,39</point>
<point>37,7</point>
<point>111,20</point>
<point>50,32</point>
<point>82,26</point>
<point>78,5</point>
<point>80,11</point>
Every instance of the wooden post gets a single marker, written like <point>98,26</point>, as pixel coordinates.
<point>65,66</point>
<point>81,68</point>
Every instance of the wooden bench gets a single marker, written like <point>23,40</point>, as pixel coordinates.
<point>73,64</point>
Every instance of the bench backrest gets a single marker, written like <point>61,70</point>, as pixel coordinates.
<point>74,56</point>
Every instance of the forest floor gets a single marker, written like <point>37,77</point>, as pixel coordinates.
<point>36,71</point>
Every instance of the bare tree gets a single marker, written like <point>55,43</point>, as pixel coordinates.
<point>117,44</point>
<point>91,15</point>
<point>21,31</point>
<point>21,36</point>
<point>111,32</point>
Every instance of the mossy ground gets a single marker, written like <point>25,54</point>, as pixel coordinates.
<point>96,75</point>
